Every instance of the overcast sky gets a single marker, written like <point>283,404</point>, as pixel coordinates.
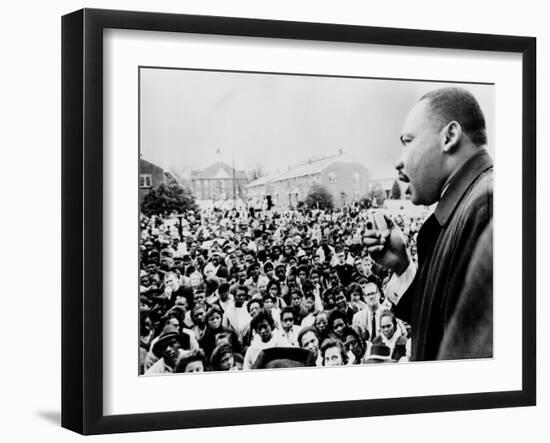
<point>275,121</point>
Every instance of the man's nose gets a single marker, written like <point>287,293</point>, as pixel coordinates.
<point>399,165</point>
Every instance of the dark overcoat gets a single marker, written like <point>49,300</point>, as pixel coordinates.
<point>445,245</point>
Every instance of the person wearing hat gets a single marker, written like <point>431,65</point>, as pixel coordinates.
<point>169,323</point>
<point>168,348</point>
<point>379,354</point>
<point>277,358</point>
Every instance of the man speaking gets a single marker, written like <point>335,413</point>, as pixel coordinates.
<point>444,160</point>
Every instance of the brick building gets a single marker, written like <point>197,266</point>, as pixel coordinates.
<point>345,178</point>
<point>151,176</point>
<point>218,182</point>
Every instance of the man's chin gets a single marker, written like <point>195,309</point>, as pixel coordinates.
<point>418,200</point>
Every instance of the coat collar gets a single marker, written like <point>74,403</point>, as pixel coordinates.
<point>459,182</point>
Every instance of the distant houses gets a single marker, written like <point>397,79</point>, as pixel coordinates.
<point>219,181</point>
<point>344,177</point>
<point>152,176</point>
<point>347,180</point>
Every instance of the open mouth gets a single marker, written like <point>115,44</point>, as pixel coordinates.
<point>403,178</point>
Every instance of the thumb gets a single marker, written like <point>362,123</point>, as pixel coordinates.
<point>389,221</point>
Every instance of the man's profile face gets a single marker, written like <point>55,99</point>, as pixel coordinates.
<point>422,160</point>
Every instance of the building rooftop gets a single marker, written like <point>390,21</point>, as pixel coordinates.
<point>218,170</point>
<point>261,180</point>
<point>304,169</point>
<point>314,166</point>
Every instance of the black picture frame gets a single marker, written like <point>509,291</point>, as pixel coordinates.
<point>82,220</point>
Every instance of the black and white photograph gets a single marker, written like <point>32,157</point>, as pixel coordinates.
<point>295,220</point>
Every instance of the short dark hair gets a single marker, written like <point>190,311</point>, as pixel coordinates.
<point>254,300</point>
<point>452,103</point>
<point>391,315</point>
<point>274,283</point>
<point>294,290</point>
<point>354,287</point>
<point>335,315</point>
<point>304,331</point>
<point>243,288</point>
<point>333,343</point>
<point>286,310</point>
<point>213,310</point>
<point>262,316</point>
<point>196,355</point>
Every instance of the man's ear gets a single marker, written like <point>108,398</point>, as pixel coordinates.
<point>450,136</point>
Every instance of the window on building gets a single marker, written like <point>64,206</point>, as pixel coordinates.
<point>356,177</point>
<point>145,181</point>
<point>331,177</point>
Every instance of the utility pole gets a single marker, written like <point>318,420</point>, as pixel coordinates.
<point>234,189</point>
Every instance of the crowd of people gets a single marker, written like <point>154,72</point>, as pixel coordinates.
<point>241,289</point>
